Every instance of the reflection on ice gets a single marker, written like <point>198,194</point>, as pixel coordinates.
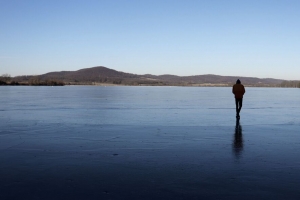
<point>238,139</point>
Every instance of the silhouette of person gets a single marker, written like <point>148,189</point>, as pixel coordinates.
<point>238,90</point>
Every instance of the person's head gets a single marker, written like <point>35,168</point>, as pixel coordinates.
<point>238,81</point>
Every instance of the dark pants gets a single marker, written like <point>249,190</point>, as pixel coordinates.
<point>238,105</point>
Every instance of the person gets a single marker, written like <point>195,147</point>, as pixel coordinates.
<point>238,90</point>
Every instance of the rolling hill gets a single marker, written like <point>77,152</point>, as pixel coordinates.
<point>103,75</point>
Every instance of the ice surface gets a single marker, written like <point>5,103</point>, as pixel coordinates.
<point>148,143</point>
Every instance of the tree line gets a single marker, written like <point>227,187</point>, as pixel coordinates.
<point>6,79</point>
<point>290,84</point>
<point>37,82</point>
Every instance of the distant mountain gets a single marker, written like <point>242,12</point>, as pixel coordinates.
<point>103,75</point>
<point>94,74</point>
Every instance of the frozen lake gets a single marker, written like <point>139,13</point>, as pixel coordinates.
<point>86,142</point>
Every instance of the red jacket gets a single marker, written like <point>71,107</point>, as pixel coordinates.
<point>238,90</point>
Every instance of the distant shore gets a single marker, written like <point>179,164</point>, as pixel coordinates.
<point>45,83</point>
<point>103,76</point>
<point>112,84</point>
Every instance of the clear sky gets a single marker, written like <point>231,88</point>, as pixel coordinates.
<point>257,38</point>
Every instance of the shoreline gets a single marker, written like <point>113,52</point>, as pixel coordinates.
<point>113,85</point>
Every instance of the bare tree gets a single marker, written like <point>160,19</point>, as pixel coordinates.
<point>5,77</point>
<point>34,81</point>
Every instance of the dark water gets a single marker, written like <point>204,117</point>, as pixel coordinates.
<point>148,143</point>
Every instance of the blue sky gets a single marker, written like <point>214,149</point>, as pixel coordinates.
<point>257,38</point>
